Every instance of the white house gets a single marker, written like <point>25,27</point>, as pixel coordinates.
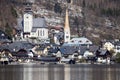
<point>79,41</point>
<point>109,46</point>
<point>88,53</point>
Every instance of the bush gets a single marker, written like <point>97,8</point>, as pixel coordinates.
<point>117,58</point>
<point>8,30</point>
<point>57,8</point>
<point>110,12</point>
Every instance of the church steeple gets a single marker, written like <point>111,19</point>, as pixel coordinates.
<point>66,28</point>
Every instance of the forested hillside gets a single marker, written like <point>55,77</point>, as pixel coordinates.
<point>101,18</point>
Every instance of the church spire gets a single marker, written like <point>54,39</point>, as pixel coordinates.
<point>66,28</point>
<point>66,20</point>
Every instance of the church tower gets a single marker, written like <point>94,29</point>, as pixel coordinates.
<point>27,20</point>
<point>66,28</point>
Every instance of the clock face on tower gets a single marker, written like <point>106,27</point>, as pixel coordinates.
<point>27,17</point>
<point>67,36</point>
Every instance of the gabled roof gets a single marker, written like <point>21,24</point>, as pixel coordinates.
<point>92,48</point>
<point>17,46</point>
<point>68,49</point>
<point>39,23</point>
<point>73,49</point>
<point>102,52</point>
<point>78,41</point>
<point>81,40</point>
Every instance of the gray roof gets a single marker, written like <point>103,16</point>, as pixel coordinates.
<point>93,48</point>
<point>20,23</point>
<point>17,46</point>
<point>5,40</point>
<point>73,49</point>
<point>37,23</point>
<point>117,43</point>
<point>103,52</point>
<point>68,49</point>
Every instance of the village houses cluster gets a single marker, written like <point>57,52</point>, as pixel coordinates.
<point>35,36</point>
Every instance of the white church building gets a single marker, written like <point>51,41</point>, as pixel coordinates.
<point>33,27</point>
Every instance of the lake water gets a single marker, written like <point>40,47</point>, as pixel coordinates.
<point>60,72</point>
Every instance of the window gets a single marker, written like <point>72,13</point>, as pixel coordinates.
<point>2,34</point>
<point>72,41</point>
<point>38,32</point>
<point>43,32</point>
<point>87,41</point>
<point>80,41</point>
<point>67,36</point>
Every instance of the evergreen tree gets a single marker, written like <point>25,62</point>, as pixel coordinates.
<point>8,30</point>
<point>68,1</point>
<point>57,8</point>
<point>14,12</point>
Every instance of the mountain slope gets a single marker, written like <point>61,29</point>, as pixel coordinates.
<point>97,20</point>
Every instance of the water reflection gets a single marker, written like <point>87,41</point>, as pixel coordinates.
<point>11,72</point>
<point>59,72</point>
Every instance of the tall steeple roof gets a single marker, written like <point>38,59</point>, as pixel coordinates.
<point>66,28</point>
<point>67,20</point>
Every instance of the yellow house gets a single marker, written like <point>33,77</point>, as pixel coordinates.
<point>109,46</point>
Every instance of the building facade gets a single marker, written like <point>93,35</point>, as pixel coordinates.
<point>33,27</point>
